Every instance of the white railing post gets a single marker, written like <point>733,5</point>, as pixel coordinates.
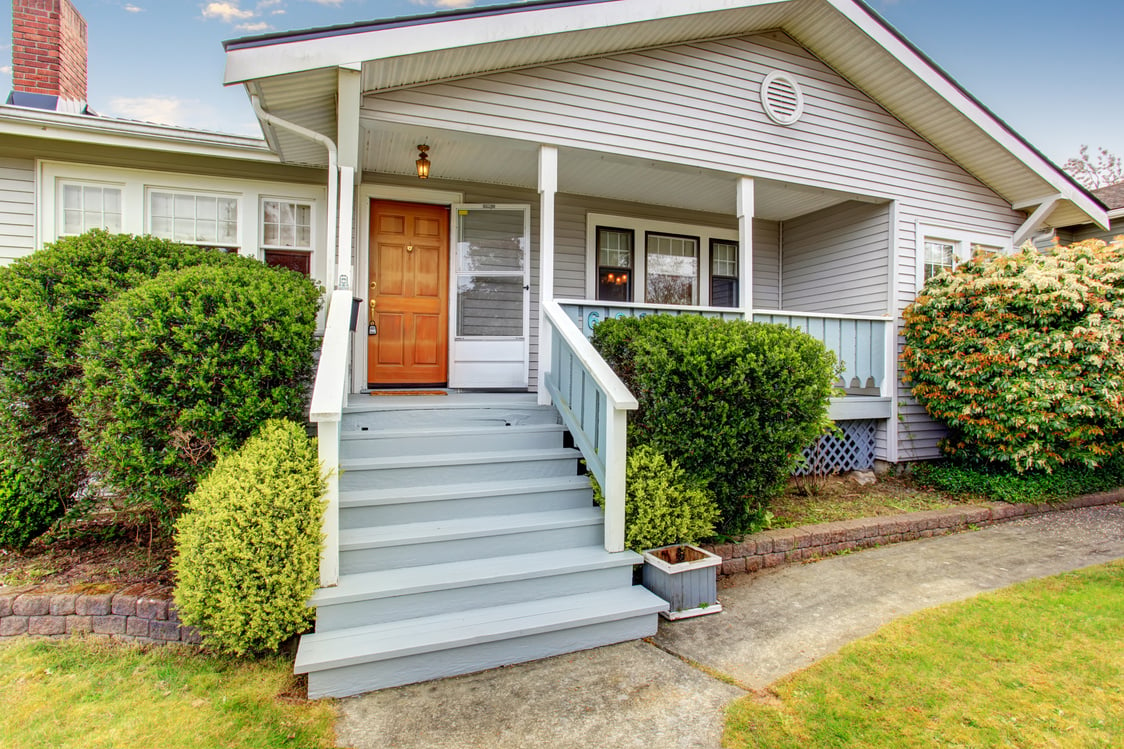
<point>328,447</point>
<point>616,455</point>
<point>329,395</point>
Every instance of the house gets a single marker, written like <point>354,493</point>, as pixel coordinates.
<point>1112,196</point>
<point>489,184</point>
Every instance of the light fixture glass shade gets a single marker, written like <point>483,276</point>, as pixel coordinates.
<point>422,163</point>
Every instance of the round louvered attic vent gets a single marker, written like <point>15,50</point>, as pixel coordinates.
<point>782,98</point>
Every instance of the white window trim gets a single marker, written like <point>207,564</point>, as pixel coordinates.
<point>640,228</point>
<point>239,215</point>
<point>59,204</point>
<point>286,199</point>
<point>961,241</point>
<point>136,183</point>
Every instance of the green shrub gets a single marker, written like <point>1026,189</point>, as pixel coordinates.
<point>47,300</point>
<point>190,364</point>
<point>732,402</point>
<point>661,506</point>
<point>248,546</point>
<point>20,519</point>
<point>1005,485</point>
<point>1022,357</point>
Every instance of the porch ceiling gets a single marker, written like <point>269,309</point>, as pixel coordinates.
<point>466,157</point>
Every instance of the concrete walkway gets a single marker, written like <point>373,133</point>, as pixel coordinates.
<point>776,622</point>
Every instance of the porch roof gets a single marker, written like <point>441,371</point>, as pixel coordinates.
<point>295,74</point>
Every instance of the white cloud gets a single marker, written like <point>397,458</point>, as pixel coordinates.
<point>130,8</point>
<point>168,110</point>
<point>326,2</point>
<point>263,4</point>
<point>6,69</point>
<point>253,27</point>
<point>229,12</point>
<point>446,3</point>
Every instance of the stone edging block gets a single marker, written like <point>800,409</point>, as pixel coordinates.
<point>773,548</point>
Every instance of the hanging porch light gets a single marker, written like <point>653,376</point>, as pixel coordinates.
<point>423,162</point>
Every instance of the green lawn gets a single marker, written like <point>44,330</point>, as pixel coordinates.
<point>1037,665</point>
<point>93,694</point>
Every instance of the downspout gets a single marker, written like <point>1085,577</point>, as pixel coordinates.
<point>333,178</point>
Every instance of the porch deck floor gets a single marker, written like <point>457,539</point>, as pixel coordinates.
<point>453,399</point>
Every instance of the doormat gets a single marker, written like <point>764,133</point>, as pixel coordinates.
<point>408,392</point>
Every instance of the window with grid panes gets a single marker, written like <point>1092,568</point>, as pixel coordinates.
<point>614,264</point>
<point>671,269</point>
<point>287,234</point>
<point>723,273</point>
<point>85,207</point>
<point>210,220</point>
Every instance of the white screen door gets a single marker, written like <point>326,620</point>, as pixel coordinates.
<point>491,296</point>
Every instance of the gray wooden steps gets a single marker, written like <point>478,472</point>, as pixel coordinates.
<point>374,597</point>
<point>383,655</point>
<point>469,539</point>
<point>362,508</point>
<point>367,549</point>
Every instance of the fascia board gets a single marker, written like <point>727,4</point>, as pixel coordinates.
<point>107,132</point>
<point>311,54</point>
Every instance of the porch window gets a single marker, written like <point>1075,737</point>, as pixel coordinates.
<point>723,273</point>
<point>209,220</point>
<point>672,264</point>
<point>614,264</point>
<point>287,234</point>
<point>85,207</point>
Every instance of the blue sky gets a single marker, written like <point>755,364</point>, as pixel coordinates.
<point>1051,68</point>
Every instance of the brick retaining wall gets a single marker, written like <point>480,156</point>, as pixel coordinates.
<point>138,612</point>
<point>786,545</point>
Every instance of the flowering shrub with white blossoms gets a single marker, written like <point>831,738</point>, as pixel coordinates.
<point>1021,356</point>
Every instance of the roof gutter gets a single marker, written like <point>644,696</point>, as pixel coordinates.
<point>333,175</point>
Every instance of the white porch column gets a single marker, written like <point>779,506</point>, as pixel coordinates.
<point>348,101</point>
<point>745,245</point>
<point>548,186</point>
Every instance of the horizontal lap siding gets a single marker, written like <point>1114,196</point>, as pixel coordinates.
<point>836,260</point>
<point>17,208</point>
<point>682,104</point>
<point>766,265</point>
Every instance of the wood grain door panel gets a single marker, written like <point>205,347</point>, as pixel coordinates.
<point>409,283</point>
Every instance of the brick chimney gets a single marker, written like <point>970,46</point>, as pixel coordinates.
<point>48,55</point>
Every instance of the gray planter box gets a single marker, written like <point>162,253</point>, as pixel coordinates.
<point>684,576</point>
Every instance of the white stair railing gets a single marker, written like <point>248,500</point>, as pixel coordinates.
<point>594,405</point>
<point>329,395</point>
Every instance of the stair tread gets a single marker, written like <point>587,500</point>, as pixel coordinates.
<point>497,401</point>
<point>454,528</point>
<point>463,574</point>
<point>445,459</point>
<point>427,634</point>
<point>441,492</point>
<point>445,431</point>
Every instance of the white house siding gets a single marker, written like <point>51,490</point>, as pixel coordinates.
<point>17,208</point>
<point>837,260</point>
<point>685,103</point>
<point>766,264</point>
<point>1091,231</point>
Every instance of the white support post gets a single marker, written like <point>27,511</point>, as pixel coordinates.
<point>349,100</point>
<point>1031,224</point>
<point>346,228</point>
<point>745,245</point>
<point>616,439</point>
<point>328,447</point>
<point>548,187</point>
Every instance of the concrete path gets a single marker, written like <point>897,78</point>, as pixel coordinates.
<point>641,694</point>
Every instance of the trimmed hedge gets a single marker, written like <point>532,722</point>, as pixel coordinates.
<point>732,402</point>
<point>1034,487</point>
<point>47,301</point>
<point>248,547</point>
<point>1022,357</point>
<point>187,365</point>
<point>661,506</point>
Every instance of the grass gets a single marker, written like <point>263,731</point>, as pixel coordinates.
<point>840,498</point>
<point>92,693</point>
<point>1036,665</point>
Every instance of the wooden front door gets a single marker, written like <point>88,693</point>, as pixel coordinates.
<point>408,333</point>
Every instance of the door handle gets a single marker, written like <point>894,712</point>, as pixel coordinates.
<point>371,316</point>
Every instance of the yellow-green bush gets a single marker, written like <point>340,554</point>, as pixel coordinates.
<point>248,546</point>
<point>661,507</point>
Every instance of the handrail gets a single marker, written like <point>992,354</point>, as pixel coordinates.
<point>329,395</point>
<point>594,405</point>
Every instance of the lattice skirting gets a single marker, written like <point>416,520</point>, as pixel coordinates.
<point>850,450</point>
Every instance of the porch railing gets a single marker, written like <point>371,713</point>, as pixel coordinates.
<point>329,395</point>
<point>860,342</point>
<point>594,405</point>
